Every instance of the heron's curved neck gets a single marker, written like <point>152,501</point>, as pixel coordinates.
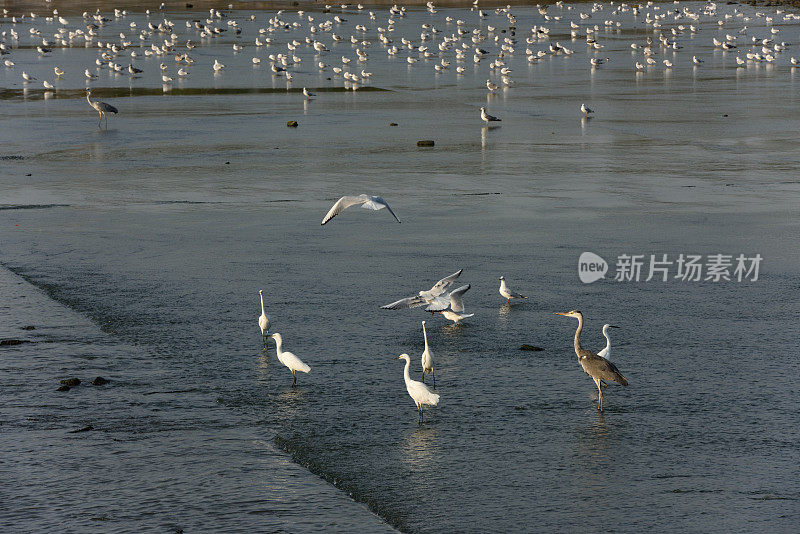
<point>278,344</point>
<point>262,303</point>
<point>87,98</point>
<point>578,336</point>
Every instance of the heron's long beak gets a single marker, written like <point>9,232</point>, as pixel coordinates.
<point>612,326</point>
<point>559,313</point>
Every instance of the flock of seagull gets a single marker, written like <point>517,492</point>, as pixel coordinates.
<point>440,298</point>
<point>343,48</point>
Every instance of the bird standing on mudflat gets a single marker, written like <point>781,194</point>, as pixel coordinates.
<point>101,107</point>
<point>595,366</point>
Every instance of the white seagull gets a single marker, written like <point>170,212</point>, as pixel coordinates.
<point>367,201</point>
<point>507,293</point>
<point>451,305</point>
<point>418,391</point>
<point>288,359</point>
<point>308,94</point>
<point>488,118</point>
<point>425,297</point>
<point>586,111</point>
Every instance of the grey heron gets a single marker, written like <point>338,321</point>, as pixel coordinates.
<point>101,107</point>
<point>595,366</point>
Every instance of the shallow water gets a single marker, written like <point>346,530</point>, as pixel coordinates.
<point>155,235</point>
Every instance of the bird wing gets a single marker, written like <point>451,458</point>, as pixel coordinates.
<point>599,367</point>
<point>294,363</point>
<point>410,302</point>
<point>421,394</point>
<point>377,203</point>
<point>440,303</point>
<point>442,285</point>
<point>456,300</point>
<point>342,204</point>
<point>109,108</point>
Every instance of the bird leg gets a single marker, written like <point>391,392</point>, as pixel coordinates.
<point>433,373</point>
<point>423,376</point>
<point>600,392</point>
<point>99,122</point>
<point>294,379</point>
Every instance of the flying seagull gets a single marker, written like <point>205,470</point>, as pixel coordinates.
<point>425,297</point>
<point>367,201</point>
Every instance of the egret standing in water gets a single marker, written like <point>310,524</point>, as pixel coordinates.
<point>595,366</point>
<point>263,320</point>
<point>289,360</point>
<point>606,352</point>
<point>418,391</point>
<point>427,359</point>
<point>101,108</point>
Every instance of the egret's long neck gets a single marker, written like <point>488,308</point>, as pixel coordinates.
<point>425,335</point>
<point>262,303</point>
<point>578,335</point>
<point>405,371</point>
<point>278,345</point>
<point>608,339</point>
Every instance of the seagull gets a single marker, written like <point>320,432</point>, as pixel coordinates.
<point>48,85</point>
<point>451,305</point>
<point>367,201</point>
<point>308,94</point>
<point>507,293</point>
<point>58,71</point>
<point>492,86</point>
<point>27,77</point>
<point>425,297</point>
<point>586,111</point>
<point>288,359</point>
<point>488,118</point>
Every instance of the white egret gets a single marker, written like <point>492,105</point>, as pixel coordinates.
<point>263,319</point>
<point>606,352</point>
<point>595,365</point>
<point>507,293</point>
<point>288,359</point>
<point>427,359</point>
<point>366,201</point>
<point>418,391</point>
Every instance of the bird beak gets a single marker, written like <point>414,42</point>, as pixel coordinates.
<point>612,326</point>
<point>559,313</point>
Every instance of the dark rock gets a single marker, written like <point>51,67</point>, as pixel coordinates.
<point>392,124</point>
<point>227,163</point>
<point>529,347</point>
<point>426,142</point>
<point>87,428</point>
<point>189,6</point>
<point>292,124</point>
<point>71,382</point>
<point>99,381</point>
<point>29,327</point>
<point>725,115</point>
<point>63,388</point>
<point>9,342</point>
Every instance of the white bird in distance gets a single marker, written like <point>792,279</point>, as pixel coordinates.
<point>367,201</point>
<point>425,297</point>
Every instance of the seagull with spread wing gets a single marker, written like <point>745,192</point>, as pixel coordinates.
<point>425,297</point>
<point>367,201</point>
<point>451,305</point>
